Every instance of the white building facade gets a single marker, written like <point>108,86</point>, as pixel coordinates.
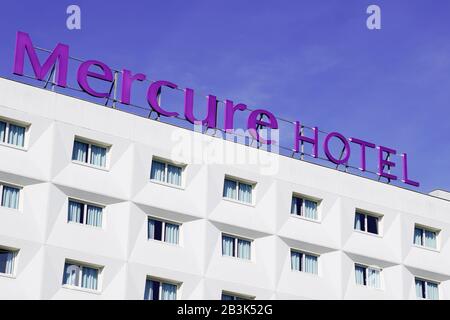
<point>95,205</point>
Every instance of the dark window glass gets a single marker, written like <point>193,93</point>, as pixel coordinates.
<point>3,259</point>
<point>372,224</point>
<point>155,285</point>
<point>158,230</point>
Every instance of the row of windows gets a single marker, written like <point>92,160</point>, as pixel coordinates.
<point>80,275</point>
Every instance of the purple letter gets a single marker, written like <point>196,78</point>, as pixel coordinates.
<point>346,148</point>
<point>363,145</point>
<point>229,113</point>
<point>382,163</point>
<point>153,93</point>
<point>127,81</point>
<point>84,73</point>
<point>60,54</point>
<point>211,118</point>
<point>299,137</point>
<point>253,122</point>
<point>405,172</point>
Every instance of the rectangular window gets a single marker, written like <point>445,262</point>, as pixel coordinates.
<point>238,190</point>
<point>234,297</point>
<point>158,290</point>
<point>166,172</point>
<point>84,213</point>
<point>236,247</point>
<point>367,276</point>
<point>304,262</point>
<point>366,223</point>
<point>10,196</point>
<point>81,276</point>
<point>7,261</point>
<point>427,289</point>
<point>12,134</point>
<point>89,153</point>
<point>163,231</point>
<point>304,208</point>
<point>425,237</point>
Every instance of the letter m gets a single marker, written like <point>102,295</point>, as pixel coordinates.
<point>59,55</point>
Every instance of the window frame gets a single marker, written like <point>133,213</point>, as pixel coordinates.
<point>85,206</point>
<point>164,281</point>
<point>91,143</point>
<point>236,295</point>
<point>80,266</point>
<point>238,182</point>
<point>236,247</point>
<point>15,262</point>
<point>429,229</point>
<point>166,163</point>
<point>10,185</point>
<point>24,125</point>
<point>163,230</point>
<point>303,261</point>
<point>425,282</point>
<point>379,218</point>
<point>366,272</point>
<point>303,197</point>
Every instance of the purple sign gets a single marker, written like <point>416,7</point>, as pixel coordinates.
<point>59,58</point>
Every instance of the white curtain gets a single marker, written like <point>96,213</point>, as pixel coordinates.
<point>244,249</point>
<point>75,212</point>
<point>80,151</point>
<point>10,197</point>
<point>359,222</point>
<point>9,266</point>
<point>94,216</point>
<point>245,192</point>
<point>169,291</point>
<point>311,264</point>
<point>229,189</point>
<point>89,278</point>
<point>373,278</point>
<point>98,156</point>
<point>174,175</point>
<point>171,233</point>
<point>151,229</point>
<point>71,274</point>
<point>158,171</point>
<point>16,135</point>
<point>432,291</point>
<point>2,131</point>
<point>296,261</point>
<point>420,289</point>
<point>227,246</point>
<point>430,239</point>
<point>418,236</point>
<point>310,209</point>
<point>360,274</point>
<point>148,294</point>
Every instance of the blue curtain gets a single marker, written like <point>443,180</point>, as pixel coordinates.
<point>151,229</point>
<point>418,234</point>
<point>227,246</point>
<point>430,239</point>
<point>7,262</point>
<point>171,233</point>
<point>245,192</point>
<point>310,209</point>
<point>420,289</point>
<point>244,249</point>
<point>71,274</point>
<point>373,278</point>
<point>2,131</point>
<point>94,216</point>
<point>151,290</point>
<point>80,151</point>
<point>296,261</point>
<point>158,171</point>
<point>296,206</point>
<point>432,291</point>
<point>75,212</point>
<point>227,297</point>
<point>359,222</point>
<point>360,275</point>
<point>98,156</point>
<point>10,197</point>
<point>311,264</point>
<point>229,189</point>
<point>174,175</point>
<point>16,135</point>
<point>169,291</point>
<point>89,278</point>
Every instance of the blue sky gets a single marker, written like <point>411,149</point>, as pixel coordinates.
<point>308,60</point>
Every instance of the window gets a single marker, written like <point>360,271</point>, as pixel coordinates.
<point>81,276</point>
<point>304,208</point>
<point>366,223</point>
<point>163,231</point>
<point>424,237</point>
<point>10,196</point>
<point>236,247</point>
<point>427,289</point>
<point>166,173</point>
<point>89,153</point>
<point>237,190</point>
<point>233,297</point>
<point>158,290</point>
<point>12,134</point>
<point>7,261</point>
<point>84,213</point>
<point>367,276</point>
<point>304,262</point>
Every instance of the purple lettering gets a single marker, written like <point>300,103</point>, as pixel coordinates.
<point>405,172</point>
<point>382,162</point>
<point>253,122</point>
<point>127,81</point>
<point>230,109</point>
<point>84,73</point>
<point>300,137</point>
<point>153,94</point>
<point>346,150</point>
<point>363,145</point>
<point>211,118</point>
